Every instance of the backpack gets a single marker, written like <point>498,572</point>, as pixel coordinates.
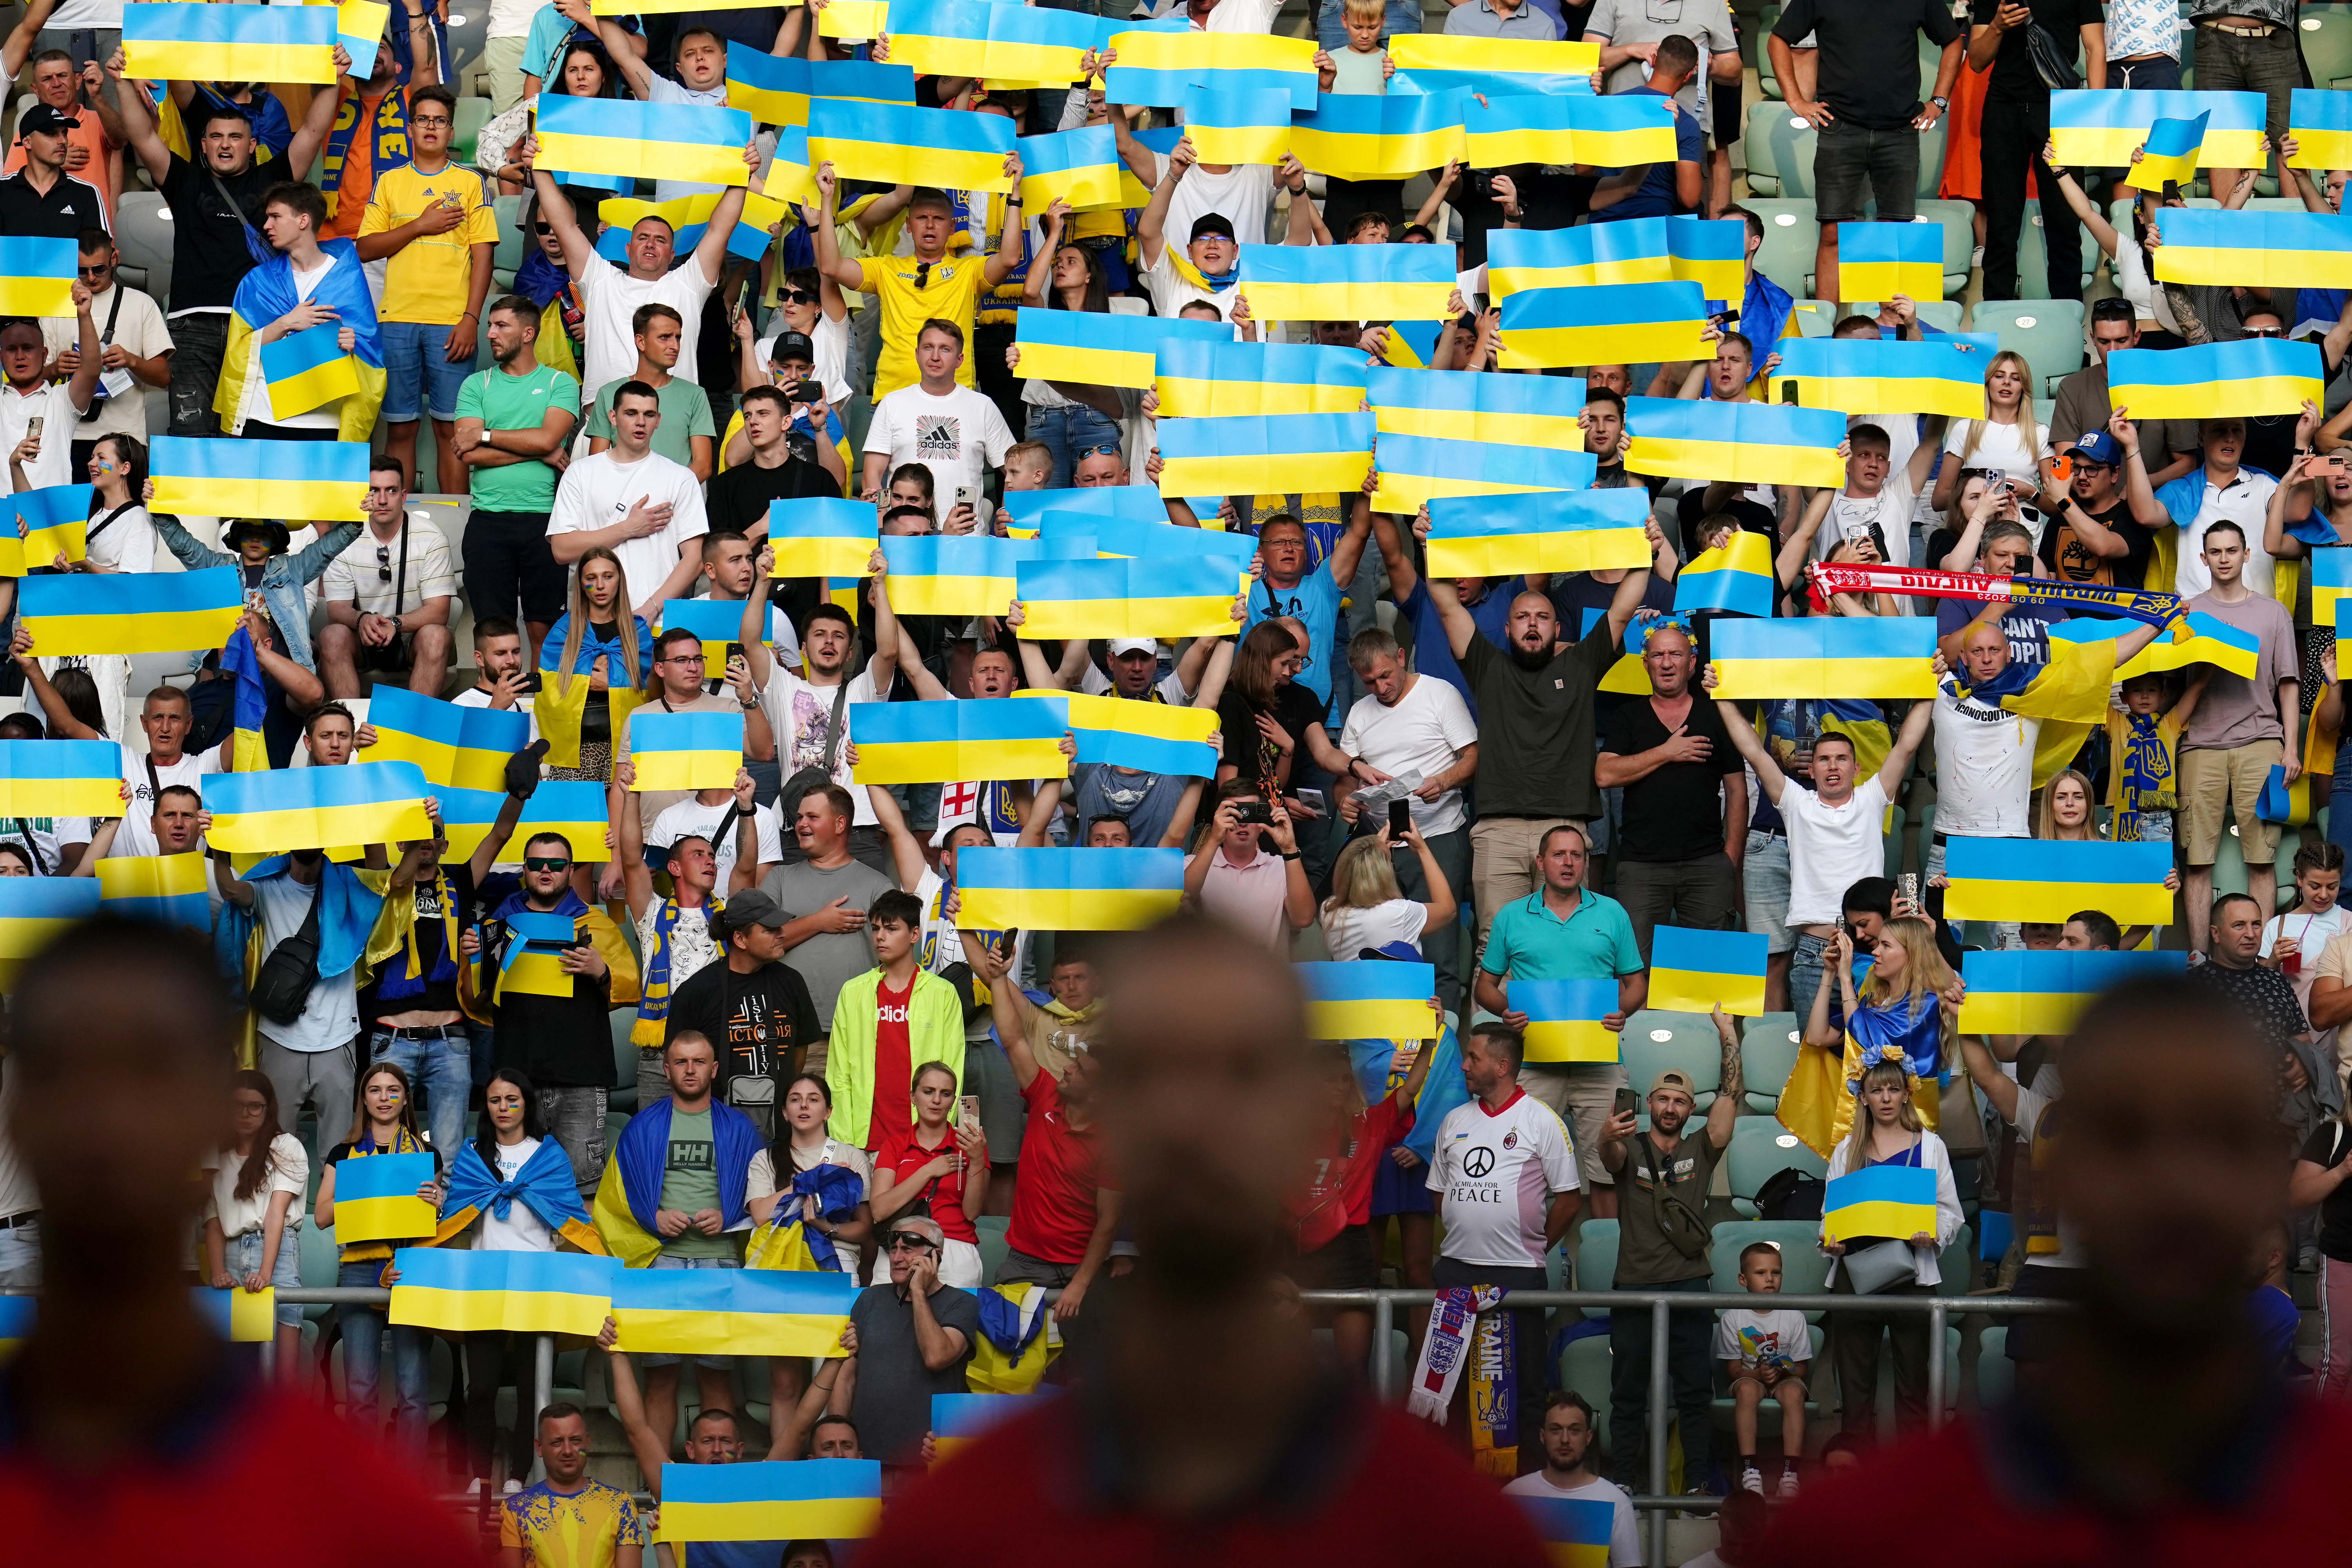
<point>1790,1194</point>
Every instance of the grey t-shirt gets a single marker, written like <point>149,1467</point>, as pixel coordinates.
<point>828,958</point>
<point>892,1406</point>
<point>1706,23</point>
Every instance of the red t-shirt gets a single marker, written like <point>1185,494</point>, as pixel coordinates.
<point>902,1156</point>
<point>894,1067</point>
<point>1341,1192</point>
<point>1059,1173</point>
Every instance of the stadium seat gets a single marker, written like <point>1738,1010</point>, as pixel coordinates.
<point>1596,1254</point>
<point>473,113</point>
<point>1789,142</point>
<point>2328,45</point>
<point>1816,318</point>
<point>1760,149</point>
<point>2048,333</point>
<point>1996,1374</point>
<point>1932,142</point>
<point>1767,1051</point>
<point>993,1247</point>
<point>509,253</point>
<point>1804,1268</point>
<point>1956,1262</point>
<point>1584,1366</point>
<point>142,228</point>
<point>2033,255</point>
<point>1760,1150</point>
<point>1790,231</point>
<point>1652,1041</point>
<point>318,1264</point>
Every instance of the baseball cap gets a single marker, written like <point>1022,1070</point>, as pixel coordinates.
<point>1132,645</point>
<point>45,117</point>
<point>791,345</point>
<point>753,908</point>
<point>1213,223</point>
<point>1675,1079</point>
<point>1398,952</point>
<point>2100,447</point>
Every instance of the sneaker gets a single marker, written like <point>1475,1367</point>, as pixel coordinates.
<point>1752,1479</point>
<point>1976,257</point>
<point>1788,1482</point>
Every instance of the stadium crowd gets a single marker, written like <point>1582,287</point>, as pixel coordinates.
<point>775,1040</point>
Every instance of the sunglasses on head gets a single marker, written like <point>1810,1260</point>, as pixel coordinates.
<point>546,863</point>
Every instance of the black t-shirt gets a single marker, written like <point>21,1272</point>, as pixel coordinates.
<point>756,1021</point>
<point>2012,76</point>
<point>1294,707</point>
<point>2266,997</point>
<point>208,254</point>
<point>1536,730</point>
<point>2269,443</point>
<point>61,212</point>
<point>342,1152</point>
<point>740,497</point>
<point>2327,1148</point>
<point>1674,814</point>
<point>1866,51</point>
<point>2067,556</point>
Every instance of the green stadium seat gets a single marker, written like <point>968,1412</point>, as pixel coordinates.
<point>1760,1150</point>
<point>1803,1268</point>
<point>1790,233</point>
<point>1652,1041</point>
<point>509,253</point>
<point>2033,253</point>
<point>2327,43</point>
<point>2048,333</point>
<point>1768,1052</point>
<point>1763,157</point>
<point>1953,219</point>
<point>1996,1374</point>
<point>624,1059</point>
<point>1789,142</point>
<point>1584,1366</point>
<point>473,113</point>
<point>1596,1254</point>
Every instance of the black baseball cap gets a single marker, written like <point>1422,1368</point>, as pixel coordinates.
<point>1213,223</point>
<point>47,119</point>
<point>792,345</point>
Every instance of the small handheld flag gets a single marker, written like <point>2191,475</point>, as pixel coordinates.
<point>316,481</point>
<point>1004,44</point>
<point>899,143</point>
<point>1209,378</point>
<point>1078,166</point>
<point>2049,881</point>
<point>1438,62</point>
<point>51,522</point>
<point>1104,350</point>
<point>1150,737</point>
<point>685,750</point>
<point>1883,374</point>
<point>2170,156</point>
<point>2100,127</point>
<point>834,1500</point>
<point>1549,530</point>
<point>772,89</point>
<point>1376,136</point>
<point>1697,970</point>
<point>466,748</point>
<point>532,963</point>
<point>240,1316</point>
<point>1068,889</point>
<point>1167,596</point>
<point>1417,468</point>
<point>1013,737</point>
<point>1304,452</point>
<point>61,778</point>
<point>2253,250</point>
<point>1896,1201</point>
<point>2320,121</point>
<point>1156,65</point>
<point>1736,576</point>
<point>306,370</point>
<point>1472,405</point>
<point>461,1290</point>
<point>1237,125</point>
<point>822,536</point>
<point>1564,1019</point>
<point>1355,999</point>
<point>574,808</point>
<point>37,275</point>
<point>1603,323</point>
<point>953,575</point>
<point>1880,260</point>
<point>714,622</point>
<point>35,909</point>
<point>375,1198</point>
<point>2021,991</point>
<point>1575,1530</point>
<point>167,888</point>
<point>644,140</point>
<point>304,808</point>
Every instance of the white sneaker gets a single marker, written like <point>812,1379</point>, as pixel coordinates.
<point>475,1487</point>
<point>1788,1482</point>
<point>1752,1479</point>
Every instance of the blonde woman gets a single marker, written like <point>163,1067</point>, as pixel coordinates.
<point>2006,439</point>
<point>1903,1010</point>
<point>2066,810</point>
<point>1367,909</point>
<point>599,638</point>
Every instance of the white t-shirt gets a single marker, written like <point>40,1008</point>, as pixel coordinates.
<point>958,437</point>
<point>1243,195</point>
<point>2245,501</point>
<point>1998,446</point>
<point>256,404</point>
<point>1780,1337</point>
<point>137,834</point>
<point>139,330</point>
<point>521,1230</point>
<point>1852,517</point>
<point>759,1176</point>
<point>801,715</point>
<point>1624,1539</point>
<point>1831,848</point>
<point>510,18</point>
<point>1171,293</point>
<point>691,816</point>
<point>475,697</point>
<point>610,297</point>
<point>1498,1170</point>
<point>1093,682</point>
<point>53,405</point>
<point>49,835</point>
<point>598,490</point>
<point>350,577</point>
<point>1984,766</point>
<point>330,1014</point>
<point>290,1172</point>
<point>126,544</point>
<point>1425,733</point>
<point>2032,1105</point>
<point>1347,930</point>
<point>831,340</point>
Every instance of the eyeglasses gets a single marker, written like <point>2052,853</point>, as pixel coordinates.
<point>545,863</point>
<point>441,120</point>
<point>693,658</point>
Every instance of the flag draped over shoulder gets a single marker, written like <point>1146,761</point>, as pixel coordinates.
<point>266,293</point>
<point>544,1185</point>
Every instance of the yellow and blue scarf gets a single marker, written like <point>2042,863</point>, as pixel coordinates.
<point>545,1187</point>
<point>653,998</point>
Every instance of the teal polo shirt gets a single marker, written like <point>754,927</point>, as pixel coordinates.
<point>1595,943</point>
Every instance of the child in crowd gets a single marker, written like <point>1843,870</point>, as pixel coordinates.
<point>1765,1352</point>
<point>2144,738</point>
<point>2293,941</point>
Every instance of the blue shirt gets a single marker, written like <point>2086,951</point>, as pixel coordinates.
<point>1433,650</point>
<point>550,31</point>
<point>1655,198</point>
<point>1315,602</point>
<point>1595,943</point>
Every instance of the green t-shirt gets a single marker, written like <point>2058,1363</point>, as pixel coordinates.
<point>503,401</point>
<point>685,413</point>
<point>690,1183</point>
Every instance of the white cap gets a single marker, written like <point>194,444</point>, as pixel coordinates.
<point>1132,645</point>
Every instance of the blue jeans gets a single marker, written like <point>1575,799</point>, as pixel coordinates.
<point>364,1331</point>
<point>439,1063</point>
<point>416,373</point>
<point>241,1255</point>
<point>1805,976</point>
<point>1331,28</point>
<point>1068,432</point>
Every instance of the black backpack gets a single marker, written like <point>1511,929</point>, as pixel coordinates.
<point>1790,1194</point>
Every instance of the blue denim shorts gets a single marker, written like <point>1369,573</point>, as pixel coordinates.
<point>242,1256</point>
<point>415,372</point>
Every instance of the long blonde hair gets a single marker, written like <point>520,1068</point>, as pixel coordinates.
<point>2046,824</point>
<point>1925,973</point>
<point>2028,435</point>
<point>577,621</point>
<point>1362,878</point>
<point>1857,1138</point>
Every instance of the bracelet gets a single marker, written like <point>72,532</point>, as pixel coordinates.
<point>1292,856</point>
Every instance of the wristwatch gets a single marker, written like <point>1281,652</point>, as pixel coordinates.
<point>1941,102</point>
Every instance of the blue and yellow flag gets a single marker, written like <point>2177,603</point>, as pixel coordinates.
<point>1711,253</point>
<point>1443,62</point>
<point>1547,530</point>
<point>685,750</point>
<point>1046,889</point>
<point>2251,375</point>
<point>1269,454</point>
<point>574,807</point>
<point>620,136</point>
<point>1605,324</point>
<point>1163,596</point>
<point>2025,992</point>
<point>308,370</point>
<point>135,611</point>
<point>167,888</point>
<point>16,1315</point>
<point>688,216</point>
<point>732,1311</point>
<point>1347,282</point>
<point>1736,576</point>
<point>466,748</point>
<point>771,1501</point>
<point>2331,584</point>
<point>1152,539</point>
<point>853,19</point>
<point>1417,468</point>
<point>716,622</point>
<point>531,964</point>
<point>462,1291</point>
<point>1564,1019</point>
<point>1821,657</point>
<point>821,536</point>
<point>2253,250</point>
<point>1882,375</point>
<point>165,40</point>
<point>1133,502</point>
<point>2099,127</point>
<point>1148,737</point>
<point>2320,121</point>
<point>2049,882</point>
<point>952,741</point>
<point>37,274</point>
<point>61,778</point>
<point>320,481</point>
<point>1099,349</point>
<point>375,1198</point>
<point>1472,405</point>
<point>1880,260</point>
<point>35,909</point>
<point>953,575</point>
<point>960,1420</point>
<point>773,90</point>
<point>1750,443</point>
<point>1156,65</point>
<point>1009,46</point>
<point>1355,999</point>
<point>1211,378</point>
<point>1078,166</point>
<point>315,808</point>
<point>1375,136</point>
<point>51,522</point>
<point>359,28</point>
<point>240,1316</point>
<point>2169,158</point>
<point>1697,971</point>
<point>1575,1530</point>
<point>1619,131</point>
<point>1410,345</point>
<point>2198,637</point>
<point>1896,1201</point>
<point>898,144</point>
<point>1237,124</point>
<point>1506,128</point>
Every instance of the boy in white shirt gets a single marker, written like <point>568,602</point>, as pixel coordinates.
<point>1765,1352</point>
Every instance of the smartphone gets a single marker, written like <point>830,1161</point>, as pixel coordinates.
<point>1312,798</point>
<point>734,652</point>
<point>2336,460</point>
<point>1910,883</point>
<point>33,427</point>
<point>2062,468</point>
<point>970,1110</point>
<point>1255,811</point>
<point>1627,1103</point>
<point>1399,818</point>
<point>1788,392</point>
<point>966,494</point>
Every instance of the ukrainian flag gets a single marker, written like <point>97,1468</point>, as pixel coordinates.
<point>1347,282</point>
<point>532,963</point>
<point>1752,443</point>
<point>320,481</point>
<point>50,521</point>
<point>717,622</point>
<point>1564,1019</point>
<point>2170,154</point>
<point>688,216</point>
<point>306,370</point>
<point>1549,530</point>
<point>375,1198</point>
<point>35,909</point>
<point>1217,378</point>
<point>1896,1201</point>
<point>960,1420</point>
<point>901,144</point>
<point>1880,260</point>
<point>1371,136</point>
<point>1068,889</point>
<point>954,574</point>
<point>1007,45</point>
<point>2204,639</point>
<point>1711,253</point>
<point>466,1291</point>
<point>1883,374</point>
<point>1737,577</point>
<point>2253,250</point>
<point>773,90</point>
<point>834,1500</point>
<point>1440,62</point>
<point>733,1311</point>
<point>166,889</point>
<point>686,751</point>
<point>1416,468</point>
<point>1410,345</point>
<point>306,808</point>
<point>1636,322</point>
<point>1168,597</point>
<point>820,536</point>
<point>134,612</point>
<point>860,81</point>
<point>1101,349</point>
<point>2098,128</point>
<point>1270,453</point>
<point>1080,166</point>
<point>1697,971</point>
<point>2050,880</point>
<point>2320,121</point>
<point>1358,999</point>
<point>36,273</point>
<point>1150,737</point>
<point>1822,657</point>
<point>16,1315</point>
<point>2047,992</point>
<point>164,40</point>
<point>1115,538</point>
<point>359,27</point>
<point>466,748</point>
<point>1132,503</point>
<point>61,778</point>
<point>1472,405</point>
<point>945,742</point>
<point>2331,582</point>
<point>2251,375</point>
<point>1237,124</point>
<point>574,808</point>
<point>240,1316</point>
<point>1502,128</point>
<point>854,19</point>
<point>1622,131</point>
<point>1575,1530</point>
<point>1156,65</point>
<point>646,141</point>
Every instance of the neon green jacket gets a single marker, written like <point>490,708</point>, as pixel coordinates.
<point>934,1033</point>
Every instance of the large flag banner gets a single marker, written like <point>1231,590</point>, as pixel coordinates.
<point>1884,375</point>
<point>1347,282</point>
<point>945,742</point>
<point>2049,882</point>
<point>1824,657</point>
<point>61,778</point>
<point>1068,889</point>
<point>36,273</point>
<point>2099,127</point>
<point>1105,350</point>
<point>1207,378</point>
<point>1375,136</point>
<point>1167,596</point>
<point>1547,530</point>
<point>803,1500</point>
<point>1564,1019</point>
<point>686,751</point>
<point>620,136</point>
<point>466,748</point>
<point>732,1311</point>
<point>572,807</point>
<point>1417,468</point>
<point>34,910</point>
<point>164,40</point>
<point>167,888</point>
<point>1358,999</point>
<point>2025,992</point>
<point>1445,62</point>
<point>899,143</point>
<point>471,1291</point>
<point>1698,971</point>
<point>1635,323</point>
<point>2253,250</point>
<point>1897,1200</point>
<point>1748,443</point>
<point>1276,453</point>
<point>375,1198</point>
<point>1148,737</point>
<point>1472,405</point>
<point>317,808</point>
<point>2203,380</point>
<point>313,482</point>
<point>1157,65</point>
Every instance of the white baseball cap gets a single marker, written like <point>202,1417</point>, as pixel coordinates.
<point>1132,645</point>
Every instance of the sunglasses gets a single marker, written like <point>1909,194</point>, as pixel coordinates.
<point>541,228</point>
<point>1104,451</point>
<point>798,296</point>
<point>100,270</point>
<point>545,863</point>
<point>2265,333</point>
<point>384,563</point>
<point>909,1244</point>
